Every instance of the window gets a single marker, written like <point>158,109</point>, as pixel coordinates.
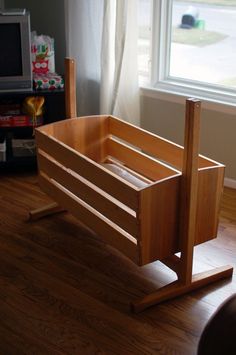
<point>193,49</point>
<point>144,39</point>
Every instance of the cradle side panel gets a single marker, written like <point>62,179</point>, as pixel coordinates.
<point>107,231</point>
<point>89,193</point>
<point>159,220</point>
<point>157,146</point>
<point>89,137</point>
<point>210,188</point>
<point>86,135</point>
<point>88,169</point>
<point>137,161</point>
<point>160,148</point>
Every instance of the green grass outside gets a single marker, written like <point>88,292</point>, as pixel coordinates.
<point>212,2</point>
<point>196,37</point>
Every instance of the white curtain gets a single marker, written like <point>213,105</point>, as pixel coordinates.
<point>119,79</point>
<point>102,36</point>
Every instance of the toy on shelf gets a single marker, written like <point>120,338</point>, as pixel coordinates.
<point>42,53</point>
<point>43,63</point>
<point>86,165</point>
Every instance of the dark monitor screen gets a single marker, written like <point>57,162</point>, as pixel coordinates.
<point>10,50</point>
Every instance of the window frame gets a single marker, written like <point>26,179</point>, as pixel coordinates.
<point>160,79</point>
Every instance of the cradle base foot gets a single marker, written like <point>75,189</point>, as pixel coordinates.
<point>45,211</point>
<point>177,288</point>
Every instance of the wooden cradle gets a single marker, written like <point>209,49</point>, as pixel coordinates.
<point>174,207</point>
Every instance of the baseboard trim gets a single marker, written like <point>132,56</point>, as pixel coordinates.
<point>230,183</point>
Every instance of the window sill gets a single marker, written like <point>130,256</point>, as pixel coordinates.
<point>179,95</point>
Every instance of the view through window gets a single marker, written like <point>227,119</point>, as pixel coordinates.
<point>202,43</point>
<point>204,49</point>
<point>144,39</point>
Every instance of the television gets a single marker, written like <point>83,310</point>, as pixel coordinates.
<point>15,51</point>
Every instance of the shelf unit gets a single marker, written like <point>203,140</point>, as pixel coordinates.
<point>54,110</point>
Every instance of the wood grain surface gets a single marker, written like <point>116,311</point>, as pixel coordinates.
<point>63,291</point>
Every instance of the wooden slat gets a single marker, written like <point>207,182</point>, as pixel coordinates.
<point>103,203</point>
<point>107,181</point>
<point>109,232</point>
<point>114,161</point>
<point>155,145</point>
<point>138,161</point>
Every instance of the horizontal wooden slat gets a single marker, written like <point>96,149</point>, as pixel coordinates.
<point>155,145</point>
<point>138,161</point>
<point>87,168</point>
<point>81,188</point>
<point>107,231</point>
<point>114,161</point>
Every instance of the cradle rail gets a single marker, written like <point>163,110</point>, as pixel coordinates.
<point>176,208</point>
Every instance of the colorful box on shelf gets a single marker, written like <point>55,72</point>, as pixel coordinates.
<point>20,121</point>
<point>50,81</point>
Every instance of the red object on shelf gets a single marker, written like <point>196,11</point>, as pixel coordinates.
<point>5,121</point>
<point>20,121</point>
<point>40,66</point>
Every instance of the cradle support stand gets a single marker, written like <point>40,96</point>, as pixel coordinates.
<point>177,288</point>
<point>71,111</point>
<point>44,211</point>
<point>183,265</point>
<point>70,88</point>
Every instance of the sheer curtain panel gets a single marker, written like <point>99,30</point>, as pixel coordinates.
<point>102,36</point>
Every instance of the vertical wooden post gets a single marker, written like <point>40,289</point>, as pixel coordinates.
<point>189,188</point>
<point>70,88</point>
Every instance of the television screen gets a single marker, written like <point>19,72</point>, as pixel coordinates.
<point>10,44</point>
<point>15,53</point>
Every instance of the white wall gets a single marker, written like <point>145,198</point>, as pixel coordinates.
<point>218,130</point>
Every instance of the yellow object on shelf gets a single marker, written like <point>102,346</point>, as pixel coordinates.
<point>33,106</point>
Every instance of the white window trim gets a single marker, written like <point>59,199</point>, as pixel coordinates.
<point>174,89</point>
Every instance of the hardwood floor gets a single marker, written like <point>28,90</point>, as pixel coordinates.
<point>62,291</point>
